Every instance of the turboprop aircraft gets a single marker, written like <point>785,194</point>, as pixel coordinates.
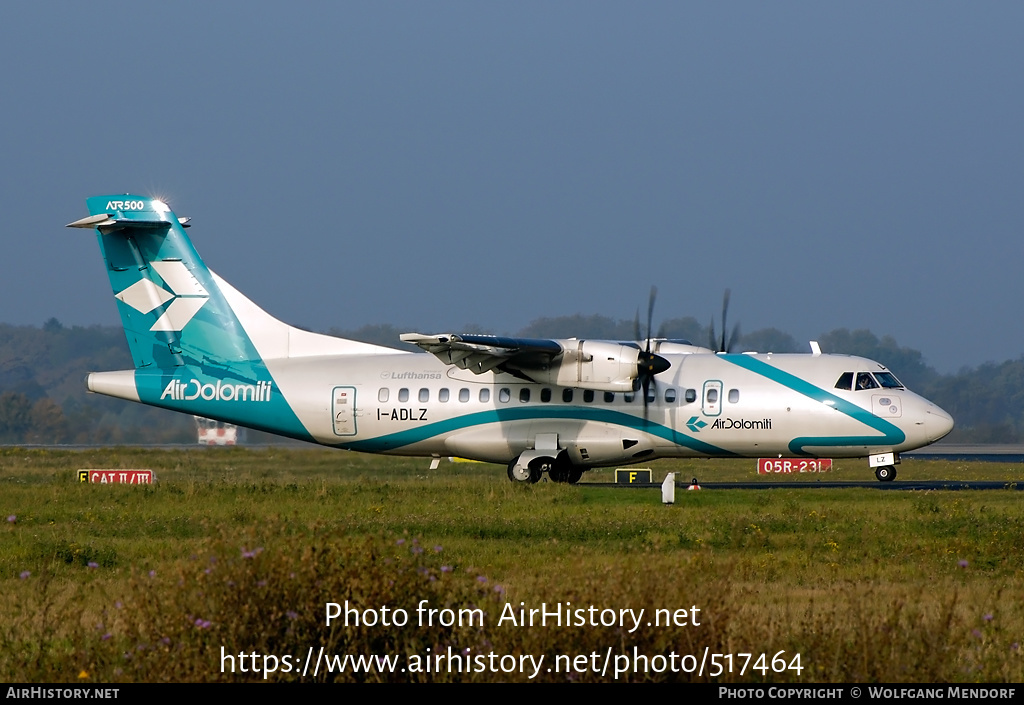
<point>559,407</point>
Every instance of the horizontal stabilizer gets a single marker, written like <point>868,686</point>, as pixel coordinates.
<point>106,220</point>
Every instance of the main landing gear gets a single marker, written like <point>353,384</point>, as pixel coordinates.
<point>885,473</point>
<point>531,470</point>
<point>527,473</point>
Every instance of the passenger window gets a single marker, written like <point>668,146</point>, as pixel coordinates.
<point>670,395</point>
<point>463,395</point>
<point>845,381</point>
<point>866,381</point>
<point>734,396</point>
<point>628,397</point>
<point>652,394</point>
<point>424,395</point>
<point>690,396</point>
<point>567,396</point>
<point>609,397</point>
<point>524,394</point>
<point>403,394</point>
<point>442,395</point>
<point>383,394</point>
<point>545,395</point>
<point>712,396</point>
<point>588,395</point>
<point>504,395</point>
<point>485,395</point>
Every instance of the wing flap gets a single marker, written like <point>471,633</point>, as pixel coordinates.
<point>483,353</point>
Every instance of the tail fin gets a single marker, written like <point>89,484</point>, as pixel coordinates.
<point>198,345</point>
<point>172,310</point>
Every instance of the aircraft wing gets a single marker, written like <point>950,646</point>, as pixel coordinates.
<point>482,353</point>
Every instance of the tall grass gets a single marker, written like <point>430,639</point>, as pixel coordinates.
<point>242,550</point>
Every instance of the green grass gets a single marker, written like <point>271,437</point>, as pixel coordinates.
<point>865,585</point>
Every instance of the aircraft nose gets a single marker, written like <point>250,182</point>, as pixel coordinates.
<point>937,423</point>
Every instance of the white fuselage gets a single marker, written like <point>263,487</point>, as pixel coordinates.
<point>705,405</point>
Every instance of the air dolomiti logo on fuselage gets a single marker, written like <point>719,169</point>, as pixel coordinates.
<point>742,424</point>
<point>194,389</point>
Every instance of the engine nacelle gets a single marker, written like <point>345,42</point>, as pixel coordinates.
<point>592,364</point>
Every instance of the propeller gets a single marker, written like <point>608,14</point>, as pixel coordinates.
<point>648,365</point>
<point>722,345</point>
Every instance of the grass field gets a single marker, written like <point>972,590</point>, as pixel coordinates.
<point>242,550</point>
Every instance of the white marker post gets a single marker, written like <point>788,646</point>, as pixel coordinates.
<point>668,489</point>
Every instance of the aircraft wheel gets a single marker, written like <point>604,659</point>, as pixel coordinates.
<point>561,470</point>
<point>539,466</point>
<point>518,473</point>
<point>531,474</point>
<point>885,473</point>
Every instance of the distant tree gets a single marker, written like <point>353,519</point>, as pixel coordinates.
<point>384,334</point>
<point>15,416</point>
<point>986,403</point>
<point>684,329</point>
<point>48,424</point>
<point>578,326</point>
<point>906,363</point>
<point>770,340</point>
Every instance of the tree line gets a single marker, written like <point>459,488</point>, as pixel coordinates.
<point>43,369</point>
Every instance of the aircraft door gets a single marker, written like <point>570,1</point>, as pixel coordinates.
<point>711,403</point>
<point>343,409</point>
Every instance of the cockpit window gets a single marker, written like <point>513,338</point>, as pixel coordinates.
<point>845,381</point>
<point>866,381</point>
<point>888,380</point>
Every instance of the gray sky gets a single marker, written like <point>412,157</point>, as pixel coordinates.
<point>433,164</point>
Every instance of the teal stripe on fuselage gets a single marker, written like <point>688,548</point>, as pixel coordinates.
<point>891,434</point>
<point>397,440</point>
<point>240,393</point>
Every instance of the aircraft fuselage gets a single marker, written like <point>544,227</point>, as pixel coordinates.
<point>705,405</point>
<point>539,406</point>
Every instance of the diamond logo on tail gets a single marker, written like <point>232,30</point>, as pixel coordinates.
<point>187,295</point>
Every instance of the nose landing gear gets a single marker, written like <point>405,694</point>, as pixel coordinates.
<point>885,473</point>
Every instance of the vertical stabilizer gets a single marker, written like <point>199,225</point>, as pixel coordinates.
<point>191,347</point>
<point>172,311</point>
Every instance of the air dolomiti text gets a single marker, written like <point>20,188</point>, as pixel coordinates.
<point>194,389</point>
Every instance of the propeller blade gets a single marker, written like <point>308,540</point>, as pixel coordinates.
<point>725,313</point>
<point>733,338</point>
<point>723,344</point>
<point>648,364</point>
<point>650,315</point>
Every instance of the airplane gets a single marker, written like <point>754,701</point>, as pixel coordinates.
<point>555,407</point>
